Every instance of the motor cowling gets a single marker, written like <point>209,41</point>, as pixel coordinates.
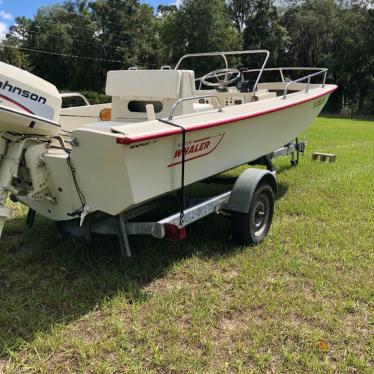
<point>25,93</point>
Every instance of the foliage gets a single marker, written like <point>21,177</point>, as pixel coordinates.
<point>93,98</point>
<point>259,23</point>
<point>73,44</point>
<point>129,27</point>
<point>198,26</point>
<point>354,58</point>
<point>310,27</point>
<point>326,33</point>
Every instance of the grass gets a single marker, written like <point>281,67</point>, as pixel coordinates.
<point>300,302</point>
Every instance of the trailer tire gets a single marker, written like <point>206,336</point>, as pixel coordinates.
<point>252,227</point>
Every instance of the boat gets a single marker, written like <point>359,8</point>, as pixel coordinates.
<point>163,130</point>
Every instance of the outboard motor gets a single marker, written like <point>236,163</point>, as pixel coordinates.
<point>29,111</point>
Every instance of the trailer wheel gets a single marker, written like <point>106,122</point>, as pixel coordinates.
<point>252,227</point>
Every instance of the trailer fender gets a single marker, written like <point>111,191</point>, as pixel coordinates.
<point>245,186</point>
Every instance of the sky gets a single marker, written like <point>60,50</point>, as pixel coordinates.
<point>9,9</point>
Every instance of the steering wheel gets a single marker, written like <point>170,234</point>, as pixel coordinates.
<point>230,75</point>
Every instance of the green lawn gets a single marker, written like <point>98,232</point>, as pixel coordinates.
<point>301,302</point>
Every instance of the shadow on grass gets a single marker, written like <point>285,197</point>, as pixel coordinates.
<point>45,280</point>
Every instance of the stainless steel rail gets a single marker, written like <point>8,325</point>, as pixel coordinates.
<point>224,54</point>
<point>282,69</point>
<point>75,94</point>
<point>308,78</point>
<point>171,115</point>
<point>320,71</point>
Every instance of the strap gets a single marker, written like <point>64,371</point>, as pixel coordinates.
<point>182,199</point>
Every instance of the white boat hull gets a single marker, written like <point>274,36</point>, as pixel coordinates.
<point>116,177</point>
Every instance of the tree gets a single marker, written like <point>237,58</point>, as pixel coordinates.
<point>9,52</point>
<point>310,26</point>
<point>59,32</point>
<point>131,27</point>
<point>259,23</point>
<point>165,10</point>
<point>353,56</point>
<point>74,44</point>
<point>336,35</point>
<point>198,26</point>
<point>239,11</point>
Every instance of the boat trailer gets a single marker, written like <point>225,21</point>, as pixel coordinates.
<point>250,211</point>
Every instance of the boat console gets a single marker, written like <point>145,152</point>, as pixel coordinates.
<point>133,90</point>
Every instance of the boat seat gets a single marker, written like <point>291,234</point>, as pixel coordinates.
<point>156,84</point>
<point>132,90</point>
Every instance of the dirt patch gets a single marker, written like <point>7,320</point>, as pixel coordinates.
<point>3,365</point>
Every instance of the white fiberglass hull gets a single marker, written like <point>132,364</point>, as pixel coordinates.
<point>116,177</point>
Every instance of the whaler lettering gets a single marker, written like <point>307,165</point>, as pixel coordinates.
<point>192,149</point>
